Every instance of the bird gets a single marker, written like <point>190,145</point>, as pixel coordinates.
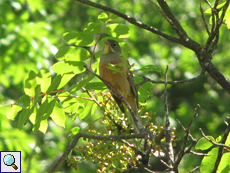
<point>122,80</point>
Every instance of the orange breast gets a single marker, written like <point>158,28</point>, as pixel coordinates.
<point>117,80</point>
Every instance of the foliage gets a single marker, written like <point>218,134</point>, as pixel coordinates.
<point>54,98</point>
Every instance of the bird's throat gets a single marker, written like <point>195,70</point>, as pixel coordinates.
<point>107,49</point>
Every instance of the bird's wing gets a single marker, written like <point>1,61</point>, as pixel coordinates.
<point>132,83</point>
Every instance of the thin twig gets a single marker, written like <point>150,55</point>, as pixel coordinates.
<point>198,154</point>
<point>213,142</point>
<point>102,138</point>
<point>175,23</point>
<point>205,23</point>
<point>221,149</point>
<point>183,149</point>
<point>160,10</point>
<point>194,169</point>
<point>131,20</point>
<point>146,79</point>
<point>134,117</point>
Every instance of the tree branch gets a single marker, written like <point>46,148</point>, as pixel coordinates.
<point>168,137</point>
<point>131,20</point>
<point>102,138</point>
<point>146,79</point>
<point>183,149</point>
<point>135,118</point>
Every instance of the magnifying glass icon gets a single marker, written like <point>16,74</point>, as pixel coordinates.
<point>9,160</point>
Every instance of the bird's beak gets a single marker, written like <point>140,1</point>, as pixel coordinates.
<point>107,48</point>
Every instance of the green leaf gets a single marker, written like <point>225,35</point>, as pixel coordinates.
<point>43,126</point>
<point>115,69</point>
<point>39,114</point>
<point>79,38</point>
<point>69,103</point>
<point>30,84</point>
<point>58,115</point>
<point>227,142</point>
<point>95,86</point>
<point>125,48</point>
<point>151,69</point>
<point>65,79</point>
<point>12,113</point>
<point>44,111</point>
<point>209,161</point>
<point>24,101</point>
<point>70,53</point>
<point>93,28</point>
<point>37,93</point>
<point>75,130</point>
<point>103,17</point>
<point>145,90</point>
<point>81,83</point>
<point>55,83</point>
<point>86,110</point>
<point>44,79</point>
<point>204,144</point>
<point>71,67</point>
<point>24,117</point>
<point>117,30</point>
<point>49,108</point>
<point>224,165</point>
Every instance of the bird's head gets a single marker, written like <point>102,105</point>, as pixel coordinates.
<point>111,46</point>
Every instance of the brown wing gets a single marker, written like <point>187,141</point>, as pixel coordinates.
<point>132,83</point>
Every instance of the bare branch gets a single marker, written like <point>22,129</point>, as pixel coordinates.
<point>221,149</point>
<point>183,149</point>
<point>146,79</point>
<point>213,142</point>
<point>194,169</point>
<point>175,24</point>
<point>205,23</point>
<point>220,145</point>
<point>131,20</point>
<point>169,147</point>
<point>163,14</point>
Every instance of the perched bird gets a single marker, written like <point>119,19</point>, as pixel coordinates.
<point>121,80</point>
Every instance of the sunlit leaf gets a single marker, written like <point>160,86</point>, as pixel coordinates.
<point>43,126</point>
<point>86,109</point>
<point>117,30</point>
<point>209,161</point>
<point>58,115</point>
<point>68,67</point>
<point>11,114</point>
<point>103,17</point>
<point>224,165</point>
<point>30,84</point>
<point>95,86</point>
<point>44,79</point>
<point>93,27</point>
<point>79,38</point>
<point>65,79</point>
<point>81,83</point>
<point>204,144</point>
<point>71,53</point>
<point>75,130</point>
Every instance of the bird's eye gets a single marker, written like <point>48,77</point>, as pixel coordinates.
<point>114,44</point>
